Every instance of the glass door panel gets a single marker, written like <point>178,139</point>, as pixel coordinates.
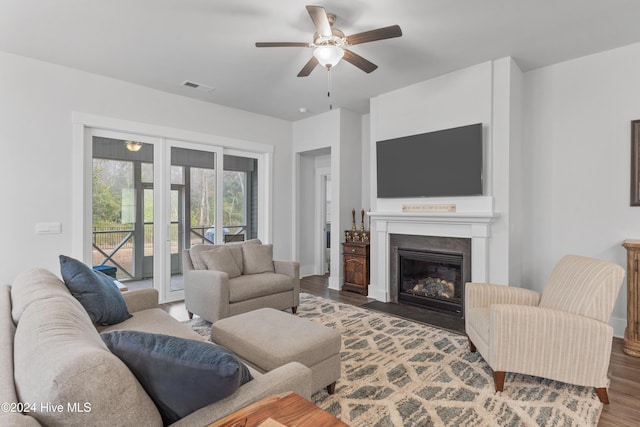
<point>147,235</point>
<point>192,206</point>
<point>202,186</point>
<point>154,198</point>
<point>240,199</point>
<point>122,209</point>
<point>176,236</point>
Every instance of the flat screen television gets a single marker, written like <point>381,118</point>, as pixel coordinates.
<point>443,163</point>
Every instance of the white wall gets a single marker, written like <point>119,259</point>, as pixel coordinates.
<point>313,136</point>
<point>573,192</point>
<point>366,163</point>
<point>577,169</point>
<point>479,94</point>
<point>340,131</point>
<point>505,165</point>
<point>36,103</point>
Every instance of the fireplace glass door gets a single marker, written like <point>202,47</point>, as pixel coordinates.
<point>431,279</point>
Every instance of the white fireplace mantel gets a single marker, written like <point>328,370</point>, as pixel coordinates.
<point>475,226</point>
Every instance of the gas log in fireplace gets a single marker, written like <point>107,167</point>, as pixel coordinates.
<point>431,279</point>
<point>430,271</point>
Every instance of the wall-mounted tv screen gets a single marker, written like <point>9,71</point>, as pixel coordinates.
<point>443,163</point>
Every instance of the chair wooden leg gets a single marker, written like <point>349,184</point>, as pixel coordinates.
<point>294,309</point>
<point>190,315</point>
<point>331,388</point>
<point>472,346</point>
<point>602,395</point>
<point>498,379</point>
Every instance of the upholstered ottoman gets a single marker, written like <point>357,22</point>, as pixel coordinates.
<point>268,338</point>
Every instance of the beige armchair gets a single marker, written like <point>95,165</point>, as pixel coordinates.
<point>224,280</point>
<point>561,334</point>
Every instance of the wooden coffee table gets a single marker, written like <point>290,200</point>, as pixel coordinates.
<point>287,409</point>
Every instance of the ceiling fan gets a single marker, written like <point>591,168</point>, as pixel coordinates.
<point>330,44</point>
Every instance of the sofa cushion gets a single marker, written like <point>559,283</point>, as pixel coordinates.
<point>97,292</point>
<point>221,259</point>
<point>195,252</point>
<point>33,285</point>
<point>59,359</point>
<point>258,285</point>
<point>180,375</point>
<point>257,259</point>
<point>155,321</point>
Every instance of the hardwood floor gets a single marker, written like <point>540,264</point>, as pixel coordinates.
<point>624,370</point>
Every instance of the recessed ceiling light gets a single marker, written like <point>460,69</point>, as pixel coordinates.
<point>302,109</point>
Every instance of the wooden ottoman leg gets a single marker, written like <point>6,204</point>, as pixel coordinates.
<point>294,309</point>
<point>190,315</point>
<point>472,346</point>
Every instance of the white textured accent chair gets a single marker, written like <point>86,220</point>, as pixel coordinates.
<point>560,334</point>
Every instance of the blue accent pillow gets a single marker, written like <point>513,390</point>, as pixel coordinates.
<point>180,375</point>
<point>96,291</point>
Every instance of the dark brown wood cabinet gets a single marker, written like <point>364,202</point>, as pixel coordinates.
<point>356,267</point>
<point>632,333</point>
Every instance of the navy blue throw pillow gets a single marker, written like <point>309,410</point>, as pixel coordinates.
<point>96,291</point>
<point>180,375</point>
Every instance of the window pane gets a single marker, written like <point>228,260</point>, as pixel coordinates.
<point>235,202</point>
<point>175,221</point>
<point>147,172</point>
<point>114,211</point>
<point>123,209</point>
<point>203,198</point>
<point>177,175</point>
<point>240,198</point>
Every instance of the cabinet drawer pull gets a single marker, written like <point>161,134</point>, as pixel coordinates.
<point>353,250</point>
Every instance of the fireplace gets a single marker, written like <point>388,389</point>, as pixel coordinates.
<point>431,279</point>
<point>429,271</point>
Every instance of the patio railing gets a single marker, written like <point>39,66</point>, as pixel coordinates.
<point>114,245</point>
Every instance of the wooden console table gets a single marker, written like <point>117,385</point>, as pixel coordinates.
<point>632,333</point>
<point>287,409</point>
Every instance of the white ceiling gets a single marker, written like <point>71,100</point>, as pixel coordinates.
<point>162,43</point>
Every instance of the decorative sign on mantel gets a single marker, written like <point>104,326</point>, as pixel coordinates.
<point>434,208</point>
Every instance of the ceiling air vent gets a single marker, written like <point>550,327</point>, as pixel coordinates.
<point>199,86</point>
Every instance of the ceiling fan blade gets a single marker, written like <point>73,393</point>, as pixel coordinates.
<point>320,20</point>
<point>357,60</point>
<point>308,67</point>
<point>282,44</point>
<point>373,35</point>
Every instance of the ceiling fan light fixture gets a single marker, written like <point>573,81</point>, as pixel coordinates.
<point>133,145</point>
<point>329,55</point>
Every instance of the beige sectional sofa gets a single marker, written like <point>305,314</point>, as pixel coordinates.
<point>55,370</point>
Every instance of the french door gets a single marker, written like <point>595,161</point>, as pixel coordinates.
<point>140,200</point>
<point>145,192</point>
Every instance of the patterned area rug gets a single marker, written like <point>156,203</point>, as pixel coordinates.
<point>397,372</point>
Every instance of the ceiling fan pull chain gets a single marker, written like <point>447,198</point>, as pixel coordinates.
<point>329,87</point>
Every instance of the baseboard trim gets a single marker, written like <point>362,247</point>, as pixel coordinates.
<point>307,270</point>
<point>618,326</point>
